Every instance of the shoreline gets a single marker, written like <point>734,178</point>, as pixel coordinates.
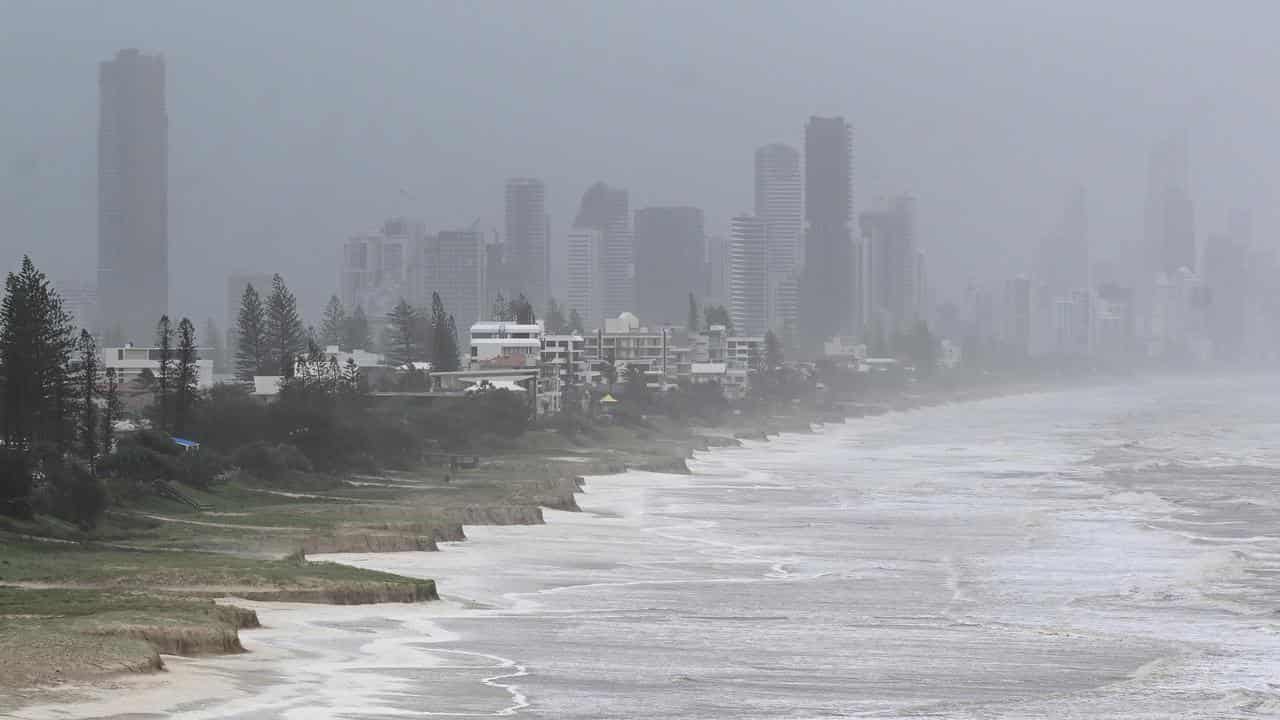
<point>697,439</point>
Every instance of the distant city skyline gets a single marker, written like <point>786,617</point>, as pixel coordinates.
<point>264,160</point>
<point>856,273</point>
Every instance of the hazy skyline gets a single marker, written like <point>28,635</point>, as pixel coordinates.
<point>284,143</point>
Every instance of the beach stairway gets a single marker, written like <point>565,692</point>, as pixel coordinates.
<point>166,489</point>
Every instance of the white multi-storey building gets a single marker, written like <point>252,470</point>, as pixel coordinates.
<point>780,204</point>
<point>504,343</point>
<point>600,251</point>
<point>564,355</point>
<point>748,275</point>
<point>131,362</point>
<point>586,274</point>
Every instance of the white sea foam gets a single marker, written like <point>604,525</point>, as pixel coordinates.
<point>1032,557</point>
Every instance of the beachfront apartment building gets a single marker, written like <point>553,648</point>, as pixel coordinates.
<point>506,344</point>
<point>130,363</point>
<point>669,355</point>
<point>507,354</point>
<point>564,355</point>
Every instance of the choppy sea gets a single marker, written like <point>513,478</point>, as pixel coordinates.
<point>1097,553</point>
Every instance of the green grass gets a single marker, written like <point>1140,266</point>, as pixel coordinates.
<point>64,603</point>
<point>51,636</point>
<point>25,562</point>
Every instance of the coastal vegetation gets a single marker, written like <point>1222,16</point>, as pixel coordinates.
<point>127,508</point>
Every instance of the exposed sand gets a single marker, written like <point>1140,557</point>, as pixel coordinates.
<point>308,649</point>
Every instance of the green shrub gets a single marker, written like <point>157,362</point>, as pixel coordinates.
<point>69,491</point>
<point>15,483</point>
<point>133,467</point>
<point>271,463</point>
<point>156,441</point>
<point>201,467</point>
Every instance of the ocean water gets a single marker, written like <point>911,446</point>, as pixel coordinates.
<point>1100,553</point>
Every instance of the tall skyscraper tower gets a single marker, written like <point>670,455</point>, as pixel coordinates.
<point>669,244</point>
<point>829,284</point>
<point>717,271</point>
<point>749,275</point>
<point>1064,253</point>
<point>601,255</point>
<point>133,182</point>
<point>585,275</point>
<point>528,252</point>
<point>1170,213</point>
<point>780,204</point>
<point>894,266</point>
<point>454,266</point>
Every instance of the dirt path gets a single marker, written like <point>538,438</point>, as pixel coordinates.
<point>225,526</point>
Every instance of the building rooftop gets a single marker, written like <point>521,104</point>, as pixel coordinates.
<point>491,326</point>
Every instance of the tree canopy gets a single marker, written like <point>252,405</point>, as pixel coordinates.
<point>403,343</point>
<point>35,349</point>
<point>333,323</point>
<point>553,320</point>
<point>284,334</point>
<point>444,337</point>
<point>251,342</point>
<point>357,335</point>
<point>717,315</point>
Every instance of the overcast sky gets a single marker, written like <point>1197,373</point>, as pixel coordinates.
<point>296,124</point>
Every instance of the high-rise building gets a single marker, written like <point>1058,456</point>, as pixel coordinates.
<point>80,301</point>
<point>923,292</point>
<point>1016,321</point>
<point>669,251</point>
<point>1170,213</point>
<point>780,203</point>
<point>894,266</point>
<point>717,271</point>
<point>607,272</point>
<point>454,267</point>
<point>1064,253</point>
<point>585,275</point>
<point>133,181</point>
<point>405,256</point>
<point>379,269</point>
<point>495,277</point>
<point>828,284</point>
<point>749,275</point>
<point>1230,267</point>
<point>528,251</point>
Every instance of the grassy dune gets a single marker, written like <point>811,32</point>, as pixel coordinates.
<point>50,636</point>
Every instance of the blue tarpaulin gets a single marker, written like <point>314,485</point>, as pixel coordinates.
<point>187,444</point>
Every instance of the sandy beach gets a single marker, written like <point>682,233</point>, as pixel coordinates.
<point>321,652</point>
